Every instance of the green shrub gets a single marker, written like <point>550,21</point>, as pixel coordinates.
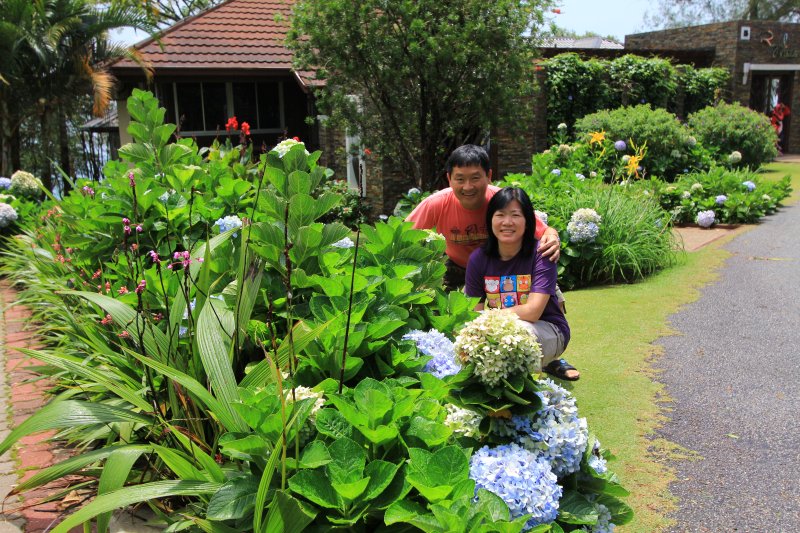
<point>668,143</point>
<point>726,128</point>
<point>634,240</point>
<point>640,80</point>
<point>575,88</point>
<point>726,192</point>
<point>701,87</point>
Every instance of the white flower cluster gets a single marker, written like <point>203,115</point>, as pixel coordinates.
<point>283,147</point>
<point>499,346</point>
<point>697,187</point>
<point>25,184</point>
<point>7,215</point>
<point>463,421</point>
<point>309,428</point>
<point>734,157</point>
<point>346,242</point>
<point>433,236</point>
<point>584,225</point>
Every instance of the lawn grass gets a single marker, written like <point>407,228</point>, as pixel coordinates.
<point>613,332</point>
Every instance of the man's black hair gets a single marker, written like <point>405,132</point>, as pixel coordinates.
<point>469,155</point>
<point>500,200</point>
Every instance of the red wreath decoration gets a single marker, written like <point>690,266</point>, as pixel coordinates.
<point>778,114</point>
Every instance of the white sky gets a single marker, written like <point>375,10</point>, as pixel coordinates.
<point>605,17</point>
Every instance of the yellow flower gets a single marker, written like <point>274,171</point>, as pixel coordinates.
<point>633,165</point>
<point>597,137</point>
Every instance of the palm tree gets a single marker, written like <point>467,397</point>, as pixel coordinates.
<point>55,51</point>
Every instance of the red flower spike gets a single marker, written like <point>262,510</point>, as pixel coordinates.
<point>246,128</point>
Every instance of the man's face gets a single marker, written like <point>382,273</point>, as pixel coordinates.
<point>469,185</point>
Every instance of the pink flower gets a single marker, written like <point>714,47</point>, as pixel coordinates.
<point>141,286</point>
<point>124,334</point>
<point>123,290</point>
<point>107,320</point>
<point>139,228</point>
<point>131,179</point>
<point>154,256</point>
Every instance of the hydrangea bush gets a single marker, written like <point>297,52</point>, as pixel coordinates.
<point>25,184</point>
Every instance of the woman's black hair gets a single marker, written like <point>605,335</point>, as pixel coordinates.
<point>500,200</point>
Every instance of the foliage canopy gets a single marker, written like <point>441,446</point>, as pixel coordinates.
<point>415,79</point>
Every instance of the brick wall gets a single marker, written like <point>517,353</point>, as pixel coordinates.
<point>770,43</point>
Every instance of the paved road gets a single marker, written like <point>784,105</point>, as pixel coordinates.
<point>734,374</point>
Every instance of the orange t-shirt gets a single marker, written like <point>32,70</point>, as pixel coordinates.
<point>463,229</point>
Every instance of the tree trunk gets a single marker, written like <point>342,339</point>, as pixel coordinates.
<point>16,162</point>
<point>63,142</point>
<point>46,167</point>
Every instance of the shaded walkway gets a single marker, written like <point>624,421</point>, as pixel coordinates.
<point>734,376</point>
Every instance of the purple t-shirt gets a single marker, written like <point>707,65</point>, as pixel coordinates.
<point>502,284</point>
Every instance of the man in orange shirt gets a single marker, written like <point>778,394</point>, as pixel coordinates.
<point>459,212</point>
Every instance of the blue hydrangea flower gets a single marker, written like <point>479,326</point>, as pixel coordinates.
<point>520,479</point>
<point>721,199</point>
<point>556,172</point>
<point>440,348</point>
<point>620,146</point>
<point>596,460</point>
<point>582,231</point>
<point>603,524</point>
<point>541,215</point>
<point>750,185</point>
<point>5,183</point>
<point>229,222</point>
<point>581,177</point>
<point>705,219</point>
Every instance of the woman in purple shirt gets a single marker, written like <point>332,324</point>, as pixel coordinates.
<point>508,272</point>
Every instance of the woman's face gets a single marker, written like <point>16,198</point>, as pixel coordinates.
<point>508,224</point>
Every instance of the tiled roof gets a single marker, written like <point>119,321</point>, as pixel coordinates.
<point>236,34</point>
<point>585,43</point>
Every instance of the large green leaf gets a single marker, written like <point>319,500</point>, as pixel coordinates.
<point>70,413</point>
<point>349,459</point>
<point>135,494</point>
<point>234,500</point>
<point>288,514</point>
<point>180,465</point>
<point>214,343</point>
<point>115,473</point>
<point>574,508</point>
<point>73,464</point>
<point>313,485</point>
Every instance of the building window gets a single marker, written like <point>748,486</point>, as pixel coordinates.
<point>203,108</point>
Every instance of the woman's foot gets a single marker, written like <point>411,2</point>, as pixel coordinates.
<point>562,370</point>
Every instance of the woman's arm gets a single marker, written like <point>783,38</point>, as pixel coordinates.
<point>532,310</point>
<point>550,245</point>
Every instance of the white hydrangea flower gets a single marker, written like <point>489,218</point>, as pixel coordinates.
<point>463,421</point>
<point>7,215</point>
<point>735,157</point>
<point>697,187</point>
<point>25,184</point>
<point>541,215</point>
<point>499,346</point>
<point>283,147</point>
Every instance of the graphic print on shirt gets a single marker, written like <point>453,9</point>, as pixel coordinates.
<point>503,292</point>
<point>470,235</point>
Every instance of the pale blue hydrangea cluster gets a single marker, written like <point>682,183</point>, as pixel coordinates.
<point>541,215</point>
<point>596,460</point>
<point>229,222</point>
<point>604,524</point>
<point>7,215</point>
<point>584,225</point>
<point>705,219</point>
<point>5,183</point>
<point>620,146</point>
<point>25,184</point>
<point>347,242</point>
<point>721,199</point>
<point>555,432</point>
<point>520,479</point>
<point>750,185</point>
<point>499,346</point>
<point>463,421</point>
<point>440,348</point>
<point>580,176</point>
<point>556,172</point>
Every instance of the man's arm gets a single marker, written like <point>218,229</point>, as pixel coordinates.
<point>550,245</point>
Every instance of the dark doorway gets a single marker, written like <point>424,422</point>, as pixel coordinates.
<point>771,93</point>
